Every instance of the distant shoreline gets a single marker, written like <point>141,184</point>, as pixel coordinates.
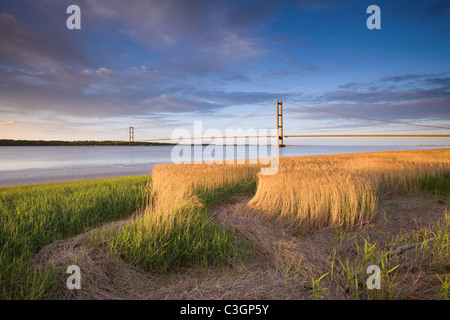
<point>49,143</point>
<point>18,143</point>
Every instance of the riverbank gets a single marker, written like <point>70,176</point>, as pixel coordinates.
<point>213,231</point>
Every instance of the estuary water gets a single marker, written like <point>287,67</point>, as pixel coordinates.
<point>38,164</point>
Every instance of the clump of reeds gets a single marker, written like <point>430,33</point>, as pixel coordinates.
<point>175,230</point>
<point>343,190</point>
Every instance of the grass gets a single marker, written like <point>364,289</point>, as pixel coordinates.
<point>403,261</point>
<point>343,190</point>
<point>34,216</point>
<point>414,261</point>
<point>319,218</point>
<point>309,193</point>
<point>176,231</point>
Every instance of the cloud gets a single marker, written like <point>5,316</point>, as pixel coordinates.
<point>7,122</point>
<point>248,15</point>
<point>192,24</point>
<point>416,98</point>
<point>18,45</point>
<point>102,70</point>
<point>233,45</point>
<point>99,94</point>
<point>52,70</point>
<point>402,78</point>
<point>301,71</point>
<point>385,95</point>
<point>24,47</point>
<point>171,59</point>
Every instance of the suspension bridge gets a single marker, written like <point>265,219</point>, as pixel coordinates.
<point>280,136</point>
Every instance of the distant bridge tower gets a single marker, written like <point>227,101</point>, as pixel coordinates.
<point>131,136</point>
<point>280,143</point>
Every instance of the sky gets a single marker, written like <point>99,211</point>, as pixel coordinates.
<point>161,65</point>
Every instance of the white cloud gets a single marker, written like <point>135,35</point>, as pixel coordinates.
<point>233,45</point>
<point>103,70</point>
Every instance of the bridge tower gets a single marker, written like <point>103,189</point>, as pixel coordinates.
<point>280,143</point>
<point>131,136</point>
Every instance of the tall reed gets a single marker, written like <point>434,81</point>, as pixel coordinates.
<point>343,190</point>
<point>175,230</point>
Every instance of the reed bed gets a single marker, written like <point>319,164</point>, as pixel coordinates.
<point>175,231</point>
<point>343,190</point>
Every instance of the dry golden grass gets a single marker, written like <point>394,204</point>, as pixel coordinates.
<point>177,187</point>
<point>343,190</point>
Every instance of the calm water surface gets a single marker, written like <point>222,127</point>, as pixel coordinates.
<point>32,165</point>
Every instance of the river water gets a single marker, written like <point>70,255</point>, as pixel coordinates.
<point>38,164</point>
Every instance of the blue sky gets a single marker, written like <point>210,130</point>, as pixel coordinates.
<point>161,65</point>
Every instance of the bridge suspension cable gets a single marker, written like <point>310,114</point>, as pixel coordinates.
<point>247,116</point>
<point>365,118</point>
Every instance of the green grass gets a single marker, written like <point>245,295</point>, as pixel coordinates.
<point>197,243</point>
<point>436,185</point>
<point>426,252</point>
<point>34,216</point>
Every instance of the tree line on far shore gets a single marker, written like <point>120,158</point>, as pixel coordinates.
<point>10,142</point>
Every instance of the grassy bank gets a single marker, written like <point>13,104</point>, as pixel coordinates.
<point>34,216</point>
